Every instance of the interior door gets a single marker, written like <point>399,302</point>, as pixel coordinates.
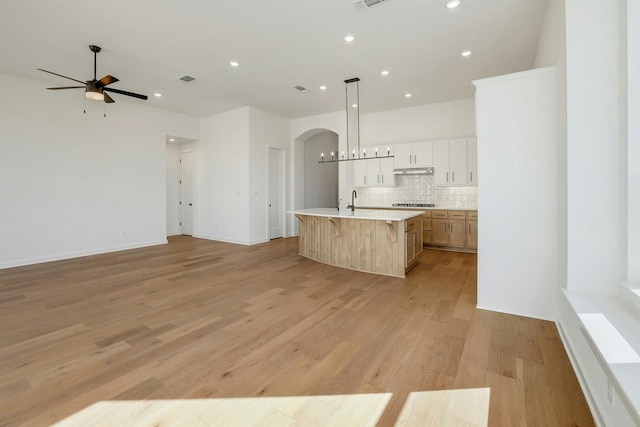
<point>276,178</point>
<point>186,193</point>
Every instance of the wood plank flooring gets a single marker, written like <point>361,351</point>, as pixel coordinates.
<point>197,319</point>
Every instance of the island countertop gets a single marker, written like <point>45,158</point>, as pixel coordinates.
<point>372,214</point>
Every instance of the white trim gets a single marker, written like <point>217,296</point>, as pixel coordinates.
<point>512,76</point>
<point>173,233</point>
<point>522,314</point>
<point>232,241</point>
<point>59,257</point>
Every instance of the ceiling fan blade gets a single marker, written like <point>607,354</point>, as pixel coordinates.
<point>122,92</point>
<point>106,80</point>
<point>60,75</point>
<point>108,99</point>
<point>67,87</point>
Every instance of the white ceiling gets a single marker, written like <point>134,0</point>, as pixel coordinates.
<point>147,44</point>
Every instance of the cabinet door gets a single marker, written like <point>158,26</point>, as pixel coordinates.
<point>359,173</point>
<point>457,233</point>
<point>387,178</point>
<point>472,162</point>
<point>458,162</point>
<point>439,231</point>
<point>422,154</point>
<point>373,172</point>
<point>409,252</point>
<point>441,163</point>
<point>403,156</point>
<point>472,234</point>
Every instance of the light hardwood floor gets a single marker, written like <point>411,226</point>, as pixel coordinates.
<point>197,319</point>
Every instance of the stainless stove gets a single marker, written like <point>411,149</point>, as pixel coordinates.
<point>413,205</point>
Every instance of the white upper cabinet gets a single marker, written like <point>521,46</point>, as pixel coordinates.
<point>414,155</point>
<point>458,161</point>
<point>374,171</point>
<point>441,163</point>
<point>455,162</point>
<point>472,161</point>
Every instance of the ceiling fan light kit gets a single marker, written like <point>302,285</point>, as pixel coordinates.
<point>95,89</point>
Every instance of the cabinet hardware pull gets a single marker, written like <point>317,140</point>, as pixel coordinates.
<point>415,160</point>
<point>383,178</point>
<point>453,177</point>
<point>410,162</point>
<point>471,173</point>
<point>365,179</point>
<point>447,176</point>
<point>452,226</point>
<point>469,228</point>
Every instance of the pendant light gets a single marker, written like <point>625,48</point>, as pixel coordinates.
<point>352,107</point>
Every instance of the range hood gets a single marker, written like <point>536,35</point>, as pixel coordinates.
<point>414,171</point>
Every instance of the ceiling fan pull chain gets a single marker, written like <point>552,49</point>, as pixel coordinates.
<point>105,109</point>
<point>84,103</point>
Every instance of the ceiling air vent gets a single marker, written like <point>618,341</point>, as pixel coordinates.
<point>186,78</point>
<point>300,88</point>
<point>363,4</point>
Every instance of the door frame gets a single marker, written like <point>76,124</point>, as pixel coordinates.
<point>283,195</point>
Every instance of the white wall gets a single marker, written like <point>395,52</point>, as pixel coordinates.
<point>551,40</point>
<point>321,179</point>
<point>552,50</point>
<point>73,184</point>
<point>231,170</point>
<point>633,154</point>
<point>517,195</point>
<point>594,167</point>
<point>266,130</point>
<point>433,121</point>
<point>222,170</point>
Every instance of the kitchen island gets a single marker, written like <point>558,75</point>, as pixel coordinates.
<point>385,242</point>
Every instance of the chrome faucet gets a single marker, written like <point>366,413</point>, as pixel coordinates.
<point>354,196</point>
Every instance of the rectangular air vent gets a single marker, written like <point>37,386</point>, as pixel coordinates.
<point>300,88</point>
<point>186,78</point>
<point>363,4</point>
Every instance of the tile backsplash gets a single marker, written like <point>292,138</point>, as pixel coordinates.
<point>418,189</point>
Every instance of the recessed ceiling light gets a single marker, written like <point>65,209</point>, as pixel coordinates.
<point>323,88</point>
<point>453,4</point>
<point>384,72</point>
<point>349,38</point>
<point>157,95</point>
<point>465,53</point>
<point>172,140</point>
<point>234,63</point>
<point>407,95</point>
<point>354,105</point>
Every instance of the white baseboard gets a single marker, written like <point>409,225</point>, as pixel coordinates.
<point>78,254</point>
<point>173,233</point>
<point>532,316</point>
<point>221,239</point>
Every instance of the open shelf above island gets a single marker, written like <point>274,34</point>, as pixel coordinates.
<point>383,242</point>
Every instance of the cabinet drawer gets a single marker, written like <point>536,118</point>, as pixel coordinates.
<point>472,214</point>
<point>456,215</point>
<point>426,224</point>
<point>439,214</point>
<point>427,214</point>
<point>411,224</point>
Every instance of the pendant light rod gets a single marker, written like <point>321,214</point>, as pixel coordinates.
<point>336,158</point>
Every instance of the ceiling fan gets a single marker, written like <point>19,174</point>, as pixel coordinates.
<point>95,89</point>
